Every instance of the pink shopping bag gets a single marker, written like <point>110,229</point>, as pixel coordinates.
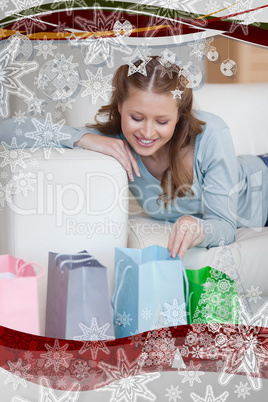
<point>19,307</point>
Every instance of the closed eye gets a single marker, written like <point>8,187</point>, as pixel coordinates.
<point>159,122</point>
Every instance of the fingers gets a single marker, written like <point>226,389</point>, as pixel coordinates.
<point>133,160</point>
<point>124,155</point>
<point>186,233</point>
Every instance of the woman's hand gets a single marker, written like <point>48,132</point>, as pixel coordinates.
<point>185,233</point>
<point>117,148</point>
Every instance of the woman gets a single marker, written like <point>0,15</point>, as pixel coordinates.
<point>186,170</point>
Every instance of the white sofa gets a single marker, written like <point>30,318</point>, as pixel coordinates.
<point>79,199</point>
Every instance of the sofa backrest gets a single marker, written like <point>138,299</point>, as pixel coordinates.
<point>244,107</point>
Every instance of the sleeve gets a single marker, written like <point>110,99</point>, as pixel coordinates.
<point>9,129</point>
<point>219,180</point>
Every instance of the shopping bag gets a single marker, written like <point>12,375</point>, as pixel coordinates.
<point>78,301</point>
<point>19,306</point>
<point>149,290</point>
<point>213,297</point>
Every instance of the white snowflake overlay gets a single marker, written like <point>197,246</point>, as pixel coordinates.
<point>94,333</point>
<point>123,319</point>
<point>242,20</point>
<point>209,397</point>
<point>14,154</point>
<point>46,393</point>
<point>175,314</point>
<point>126,381</point>
<point>191,373</point>
<point>98,49</point>
<point>96,85</point>
<point>173,394</point>
<point>158,350</point>
<point>18,374</point>
<point>11,73</point>
<point>56,355</point>
<point>47,135</point>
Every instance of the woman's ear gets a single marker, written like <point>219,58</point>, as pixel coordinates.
<point>119,107</point>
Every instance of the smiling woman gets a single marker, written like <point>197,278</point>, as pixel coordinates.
<point>186,169</point>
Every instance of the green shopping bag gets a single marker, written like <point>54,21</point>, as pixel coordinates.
<point>212,297</point>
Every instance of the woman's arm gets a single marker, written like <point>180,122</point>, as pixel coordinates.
<point>28,132</point>
<point>33,130</point>
<point>218,178</point>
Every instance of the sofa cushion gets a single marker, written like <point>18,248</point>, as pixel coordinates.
<point>249,254</point>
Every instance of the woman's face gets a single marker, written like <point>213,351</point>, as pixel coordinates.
<point>148,120</point>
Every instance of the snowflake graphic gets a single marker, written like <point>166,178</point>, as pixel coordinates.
<point>69,5</point>
<point>65,103</point>
<point>22,183</point>
<point>126,381</point>
<point>13,154</point>
<point>98,49</point>
<point>175,314</point>
<point>123,319</point>
<point>64,67</point>
<point>35,105</point>
<point>146,314</point>
<point>254,294</point>
<point>244,19</point>
<point>177,93</point>
<point>209,396</point>
<point>79,369</point>
<point>3,4</point>
<point>46,393</point>
<point>168,62</point>
<point>33,163</point>
<point>19,117</point>
<point>10,83</point>
<point>61,29</point>
<point>18,132</point>
<point>245,351</point>
<point>96,85</point>
<point>159,349</point>
<point>17,374</point>
<point>242,390</point>
<point>166,7</point>
<point>201,47</point>
<point>47,135</point>
<point>136,338</point>
<point>173,393</point>
<point>57,115</point>
<point>3,175</point>
<point>27,9</point>
<point>59,78</point>
<point>191,373</point>
<point>45,47</point>
<point>141,67</point>
<point>56,355</point>
<point>28,355</point>
<point>96,334</point>
<point>211,6</point>
<point>61,384</point>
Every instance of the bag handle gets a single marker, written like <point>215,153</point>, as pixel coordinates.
<point>117,291</point>
<point>88,258</point>
<point>116,278</point>
<point>21,268</point>
<point>186,284</point>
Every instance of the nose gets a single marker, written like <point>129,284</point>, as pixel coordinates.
<point>147,130</point>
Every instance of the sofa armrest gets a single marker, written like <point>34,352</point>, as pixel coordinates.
<point>72,201</point>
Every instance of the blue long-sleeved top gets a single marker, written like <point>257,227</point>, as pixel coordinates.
<point>229,191</point>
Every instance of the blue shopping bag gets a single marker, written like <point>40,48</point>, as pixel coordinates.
<point>149,290</point>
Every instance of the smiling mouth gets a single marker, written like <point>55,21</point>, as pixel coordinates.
<point>145,142</point>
